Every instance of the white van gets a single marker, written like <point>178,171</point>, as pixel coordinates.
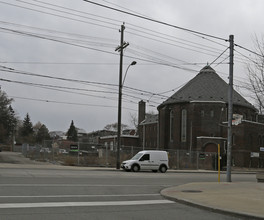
<point>147,160</point>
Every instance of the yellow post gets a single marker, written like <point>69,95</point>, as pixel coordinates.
<point>218,163</point>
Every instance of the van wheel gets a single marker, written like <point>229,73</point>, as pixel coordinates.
<point>163,169</point>
<point>154,171</point>
<point>135,168</point>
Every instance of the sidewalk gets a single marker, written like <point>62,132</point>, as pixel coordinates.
<point>244,199</point>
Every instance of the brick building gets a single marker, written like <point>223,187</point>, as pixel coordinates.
<point>195,119</point>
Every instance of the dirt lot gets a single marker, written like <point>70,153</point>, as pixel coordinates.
<point>15,158</point>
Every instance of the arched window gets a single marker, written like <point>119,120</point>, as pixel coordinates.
<point>233,139</point>
<point>184,125</point>
<point>259,141</point>
<point>171,125</point>
<point>202,113</point>
<point>212,113</point>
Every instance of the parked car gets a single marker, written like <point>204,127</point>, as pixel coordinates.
<point>46,149</point>
<point>147,160</point>
<point>62,151</point>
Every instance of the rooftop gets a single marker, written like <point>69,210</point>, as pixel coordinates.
<point>206,86</point>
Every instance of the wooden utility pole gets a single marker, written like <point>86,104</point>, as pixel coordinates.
<point>120,48</point>
<point>230,109</point>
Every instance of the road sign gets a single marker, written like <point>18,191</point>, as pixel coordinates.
<point>74,148</point>
<point>254,154</point>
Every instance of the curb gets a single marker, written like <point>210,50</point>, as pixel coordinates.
<point>208,208</point>
<point>94,168</point>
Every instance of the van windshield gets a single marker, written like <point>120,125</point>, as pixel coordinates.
<point>137,156</point>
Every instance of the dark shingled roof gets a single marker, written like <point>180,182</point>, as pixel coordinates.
<point>206,86</point>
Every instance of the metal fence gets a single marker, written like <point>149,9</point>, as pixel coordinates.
<point>103,156</point>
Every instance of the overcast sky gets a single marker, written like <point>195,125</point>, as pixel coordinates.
<point>58,60</point>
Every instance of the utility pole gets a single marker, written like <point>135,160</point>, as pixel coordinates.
<point>120,49</point>
<point>230,109</point>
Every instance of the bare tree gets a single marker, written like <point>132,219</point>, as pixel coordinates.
<point>134,120</point>
<point>256,74</point>
<point>113,127</point>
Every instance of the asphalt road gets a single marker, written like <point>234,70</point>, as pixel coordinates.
<point>55,193</point>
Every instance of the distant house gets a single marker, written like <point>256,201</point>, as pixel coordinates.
<point>57,134</point>
<point>149,132</point>
<point>127,141</point>
<point>94,137</point>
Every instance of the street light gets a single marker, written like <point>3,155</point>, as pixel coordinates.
<point>119,115</point>
<point>131,64</point>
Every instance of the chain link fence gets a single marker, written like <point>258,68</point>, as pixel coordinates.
<point>87,154</point>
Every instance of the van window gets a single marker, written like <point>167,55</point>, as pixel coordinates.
<point>137,156</point>
<point>144,157</point>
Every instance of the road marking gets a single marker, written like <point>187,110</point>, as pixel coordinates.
<point>79,204</point>
<point>78,185</point>
<point>80,196</point>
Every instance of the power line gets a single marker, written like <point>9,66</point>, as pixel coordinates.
<point>219,56</point>
<point>81,12</point>
<point>198,49</point>
<point>68,103</point>
<point>251,51</point>
<point>156,21</point>
<point>58,78</point>
<point>54,88</point>
<point>64,12</point>
<point>60,87</point>
<point>156,61</point>
<point>58,32</point>
<point>60,16</point>
<point>55,40</point>
<point>171,39</point>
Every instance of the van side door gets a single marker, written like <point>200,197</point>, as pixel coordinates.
<point>144,162</point>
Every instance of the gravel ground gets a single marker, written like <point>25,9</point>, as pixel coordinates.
<point>16,158</point>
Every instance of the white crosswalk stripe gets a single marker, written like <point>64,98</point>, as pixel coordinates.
<point>79,204</point>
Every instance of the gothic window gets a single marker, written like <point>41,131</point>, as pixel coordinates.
<point>184,125</point>
<point>212,113</point>
<point>202,113</point>
<point>171,125</point>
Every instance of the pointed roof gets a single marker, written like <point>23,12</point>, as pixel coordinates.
<point>206,86</point>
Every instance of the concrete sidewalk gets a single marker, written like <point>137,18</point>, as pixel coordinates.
<point>243,199</point>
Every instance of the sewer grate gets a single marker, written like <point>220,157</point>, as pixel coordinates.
<point>192,191</point>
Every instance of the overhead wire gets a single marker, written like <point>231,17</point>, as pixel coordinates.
<point>202,51</point>
<point>78,35</point>
<point>218,56</point>
<point>156,61</point>
<point>58,88</point>
<point>55,40</point>
<point>68,12</point>
<point>199,34</point>
<point>78,11</point>
<point>155,21</point>
<point>79,45</point>
<point>251,51</point>
<point>63,11</point>
<point>68,103</point>
<point>60,16</point>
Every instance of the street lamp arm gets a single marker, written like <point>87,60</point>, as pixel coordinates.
<point>131,64</point>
